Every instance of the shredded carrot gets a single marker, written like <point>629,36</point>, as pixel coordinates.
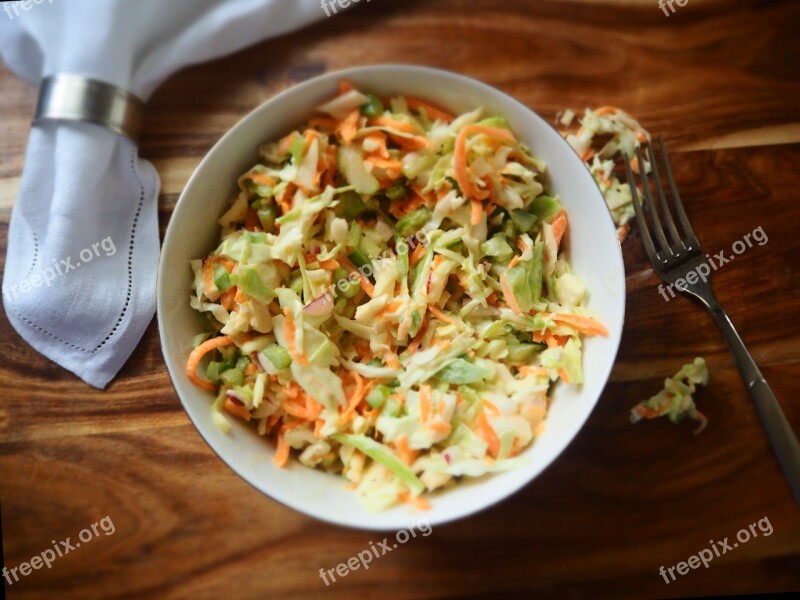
<point>237,409</point>
<point>468,188</point>
<point>363,281</point>
<point>286,197</point>
<point>580,323</point>
<point>440,427</point>
<point>587,154</point>
<point>563,375</point>
<point>432,112</point>
<point>635,164</point>
<point>436,312</point>
<point>360,393</point>
<point>282,452</point>
<point>526,370</point>
<point>391,360</point>
<point>488,434</point>
<point>552,341</point>
<point>407,455</point>
<point>492,408</point>
<point>559,227</point>
<point>605,110</point>
<point>379,139</point>
<point>425,403</point>
<point>318,425</point>
<point>289,332</point>
<point>390,123</point>
<point>285,144</point>
<point>329,265</point>
<point>197,355</point>
<point>417,502</point>
<point>348,128</point>
<point>477,213</point>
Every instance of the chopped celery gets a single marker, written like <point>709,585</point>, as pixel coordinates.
<point>398,191</point>
<point>344,286</point>
<point>232,377</point>
<point>524,220</point>
<point>222,279</point>
<point>373,108</point>
<point>250,282</point>
<point>378,396</point>
<point>412,222</point>
<point>544,207</point>
<point>267,216</point>
<point>462,372</point>
<point>278,356</point>
<point>523,353</point>
<point>391,408</point>
<point>351,205</point>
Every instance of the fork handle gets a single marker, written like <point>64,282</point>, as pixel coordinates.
<point>783,439</point>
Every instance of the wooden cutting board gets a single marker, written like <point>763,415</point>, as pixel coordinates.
<point>720,80</point>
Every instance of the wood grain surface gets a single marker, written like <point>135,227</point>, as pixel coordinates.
<point>721,81</point>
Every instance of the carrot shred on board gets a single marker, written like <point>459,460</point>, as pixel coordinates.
<point>289,332</point>
<point>363,281</point>
<point>468,188</point>
<point>197,355</point>
<point>425,403</point>
<point>579,323</point>
<point>605,110</point>
<point>432,112</point>
<point>237,409</point>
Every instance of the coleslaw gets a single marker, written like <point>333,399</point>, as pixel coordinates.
<point>390,300</point>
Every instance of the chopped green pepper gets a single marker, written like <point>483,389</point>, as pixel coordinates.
<point>412,222</point>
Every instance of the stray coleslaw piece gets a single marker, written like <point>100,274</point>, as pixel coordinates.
<point>675,400</point>
<point>604,135</point>
<point>389,300</point>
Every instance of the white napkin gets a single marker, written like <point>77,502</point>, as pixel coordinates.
<point>80,276</point>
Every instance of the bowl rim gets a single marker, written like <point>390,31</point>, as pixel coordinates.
<point>207,160</point>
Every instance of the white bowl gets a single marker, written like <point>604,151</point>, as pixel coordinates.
<point>193,232</point>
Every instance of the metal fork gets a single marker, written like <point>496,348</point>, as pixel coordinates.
<point>678,261</point>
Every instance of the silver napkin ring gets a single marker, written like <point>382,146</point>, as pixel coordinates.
<point>77,98</point>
